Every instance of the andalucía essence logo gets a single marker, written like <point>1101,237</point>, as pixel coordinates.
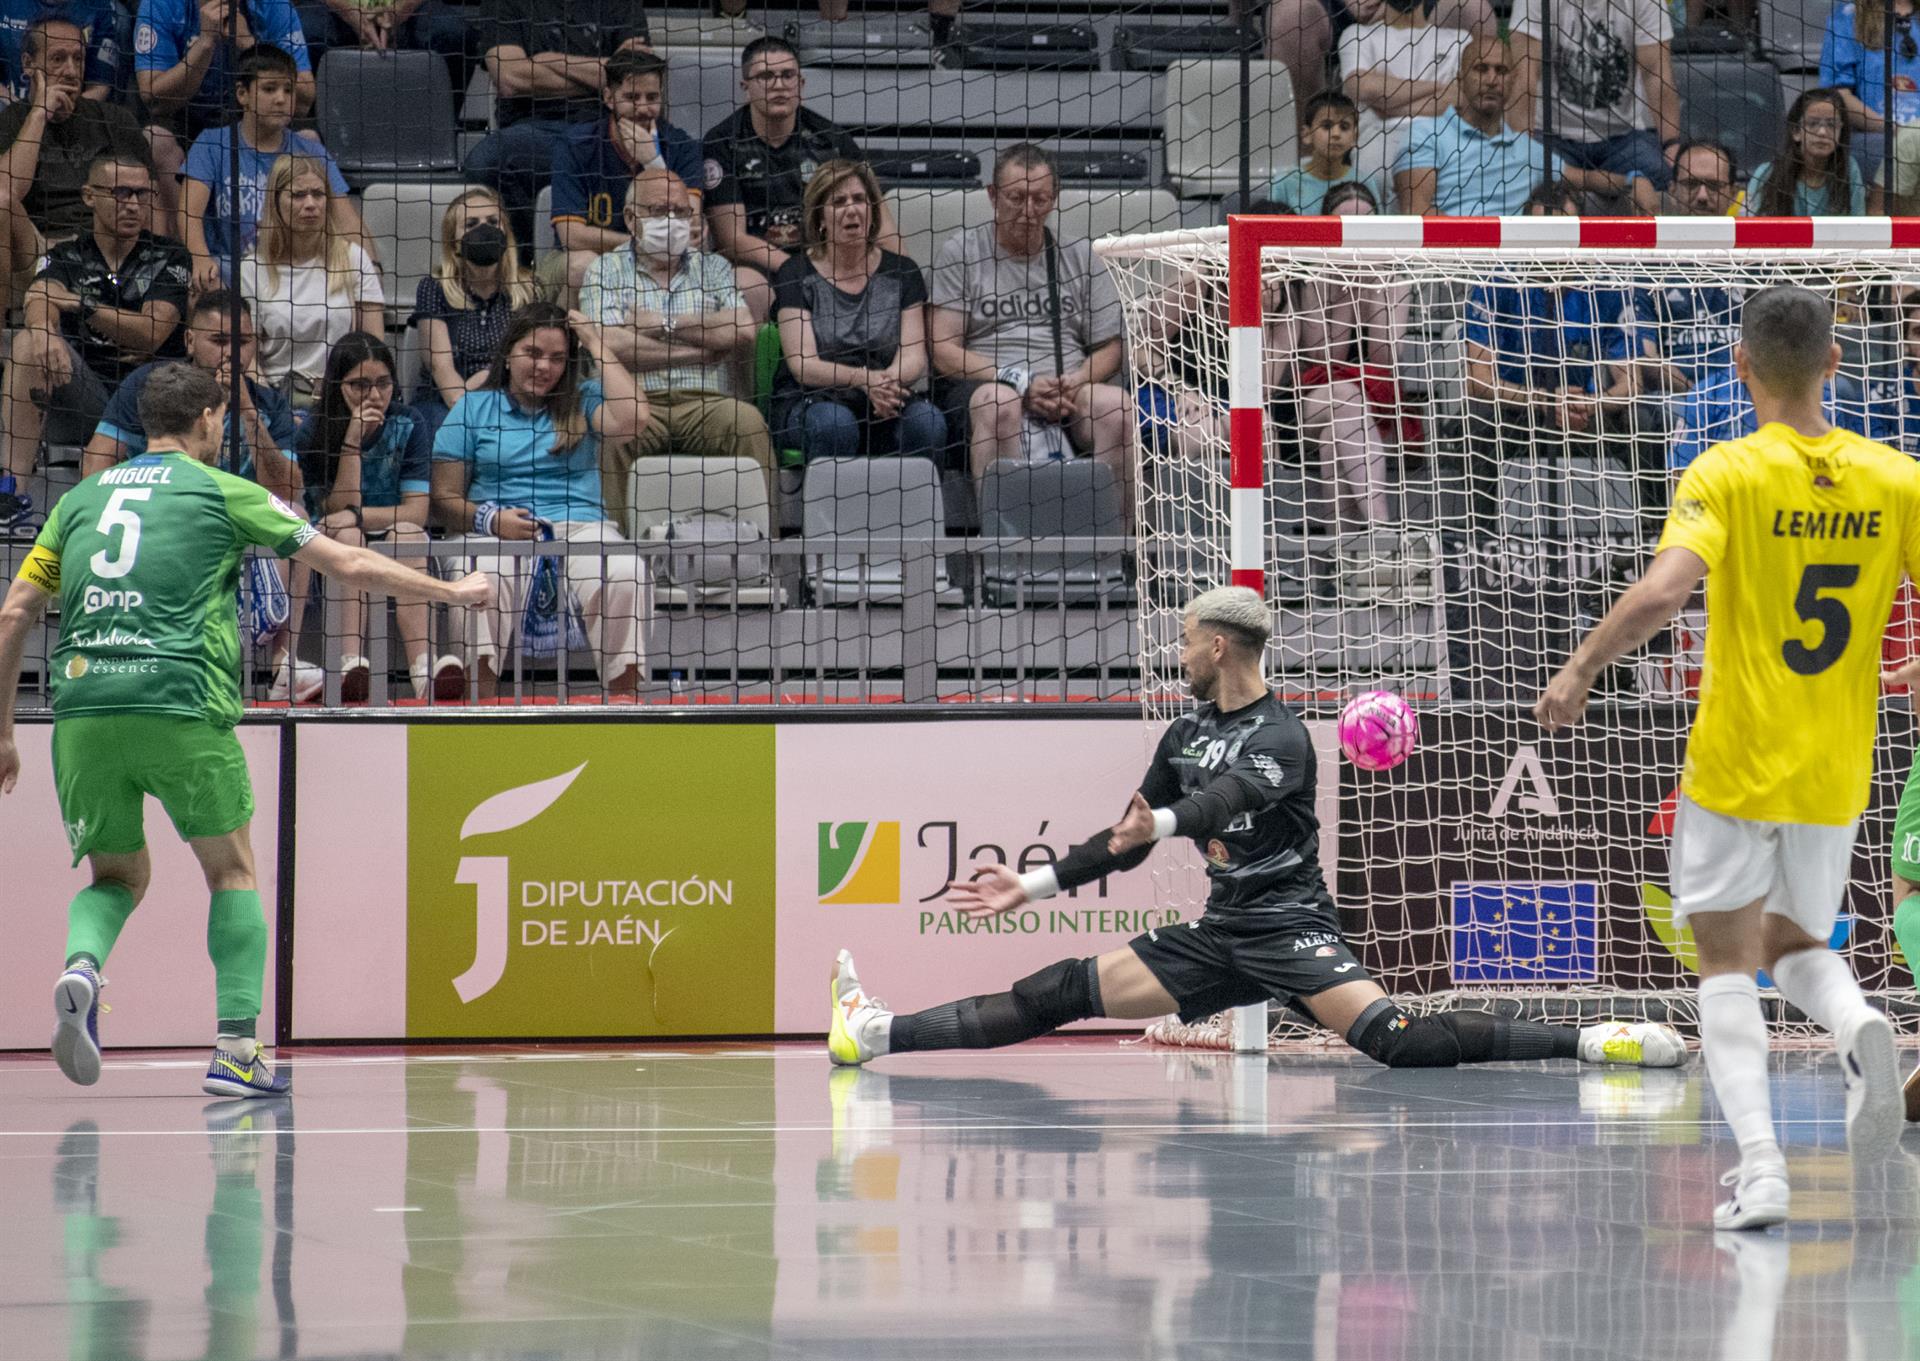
<point>859,864</point>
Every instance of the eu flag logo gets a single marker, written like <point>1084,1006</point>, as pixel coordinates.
<point>1525,932</point>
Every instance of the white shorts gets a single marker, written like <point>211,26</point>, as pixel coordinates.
<point>1722,863</point>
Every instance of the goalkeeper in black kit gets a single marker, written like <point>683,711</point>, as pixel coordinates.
<point>1237,776</point>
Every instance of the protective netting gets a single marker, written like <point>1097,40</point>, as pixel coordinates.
<point>316,170</point>
<point>1468,457</point>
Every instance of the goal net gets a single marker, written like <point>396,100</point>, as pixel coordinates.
<point>1443,449</point>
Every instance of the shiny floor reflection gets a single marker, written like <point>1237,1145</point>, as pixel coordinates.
<point>1066,1200</point>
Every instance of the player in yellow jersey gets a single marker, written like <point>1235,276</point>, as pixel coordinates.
<point>1803,532</point>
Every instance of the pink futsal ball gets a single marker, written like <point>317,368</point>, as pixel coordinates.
<point>1378,730</point>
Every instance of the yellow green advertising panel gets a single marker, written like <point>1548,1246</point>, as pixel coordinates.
<point>589,880</point>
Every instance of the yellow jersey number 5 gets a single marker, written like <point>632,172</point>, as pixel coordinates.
<point>1830,613</point>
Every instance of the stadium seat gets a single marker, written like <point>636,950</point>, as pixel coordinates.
<point>477,105</point>
<point>701,30</point>
<point>865,40</point>
<point>1791,32</point>
<point>926,167</point>
<point>1201,115</point>
<point>663,489</point>
<point>927,217</point>
<point>544,239</point>
<point>1735,101</point>
<point>890,497</point>
<point>404,217</point>
<point>1047,500</point>
<point>1154,47</point>
<point>384,114</point>
<point>1018,46</point>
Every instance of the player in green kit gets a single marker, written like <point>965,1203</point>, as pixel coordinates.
<point>144,559</point>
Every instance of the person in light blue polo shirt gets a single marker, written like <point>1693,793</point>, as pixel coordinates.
<point>519,459</point>
<point>1468,162</point>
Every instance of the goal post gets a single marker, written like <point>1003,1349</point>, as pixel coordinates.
<point>1442,448</point>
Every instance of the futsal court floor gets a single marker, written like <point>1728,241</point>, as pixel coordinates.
<point>1062,1200</point>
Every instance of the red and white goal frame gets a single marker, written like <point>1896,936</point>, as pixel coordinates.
<point>1876,257</point>
<point>1249,237</point>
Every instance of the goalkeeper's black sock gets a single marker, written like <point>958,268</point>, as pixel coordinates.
<point>986,1022</point>
<point>1489,1039</point>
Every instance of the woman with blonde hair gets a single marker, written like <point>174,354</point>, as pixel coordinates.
<point>310,285</point>
<point>852,320</point>
<point>464,308</point>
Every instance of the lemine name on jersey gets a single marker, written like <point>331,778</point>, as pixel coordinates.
<point>1826,524</point>
<point>127,475</point>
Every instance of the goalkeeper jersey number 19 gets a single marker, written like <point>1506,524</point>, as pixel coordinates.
<point>145,559</point>
<point>1805,541</point>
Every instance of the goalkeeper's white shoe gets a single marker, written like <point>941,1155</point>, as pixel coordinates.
<point>1759,1199</point>
<point>860,1023</point>
<point>1645,1043</point>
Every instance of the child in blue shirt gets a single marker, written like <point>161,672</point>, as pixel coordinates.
<point>265,87</point>
<point>1329,128</point>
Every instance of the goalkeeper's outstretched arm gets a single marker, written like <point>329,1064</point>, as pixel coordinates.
<point>997,888</point>
<point>1647,607</point>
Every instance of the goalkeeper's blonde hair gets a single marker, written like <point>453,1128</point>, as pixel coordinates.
<point>1237,609</point>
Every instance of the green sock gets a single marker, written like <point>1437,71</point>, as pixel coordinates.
<point>1906,930</point>
<point>237,944</point>
<point>94,919</point>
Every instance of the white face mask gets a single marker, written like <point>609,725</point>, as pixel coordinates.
<point>665,236</point>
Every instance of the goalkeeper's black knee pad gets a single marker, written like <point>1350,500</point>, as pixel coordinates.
<point>1386,1034</point>
<point>1059,994</point>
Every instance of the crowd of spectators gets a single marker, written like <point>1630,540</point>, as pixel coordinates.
<point>745,294</point>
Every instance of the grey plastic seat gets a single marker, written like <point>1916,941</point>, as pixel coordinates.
<point>865,40</point>
<point>1047,500</point>
<point>384,114</point>
<point>1202,121</point>
<point>403,217</point>
<point>892,498</point>
<point>1732,100</point>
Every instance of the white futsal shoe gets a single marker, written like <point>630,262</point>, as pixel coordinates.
<point>1759,1197</point>
<point>860,1023</point>
<point>1876,1109</point>
<point>1645,1043</point>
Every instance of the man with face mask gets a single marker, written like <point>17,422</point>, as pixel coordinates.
<point>674,317</point>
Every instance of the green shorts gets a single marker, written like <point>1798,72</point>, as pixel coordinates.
<point>104,766</point>
<point>1906,829</point>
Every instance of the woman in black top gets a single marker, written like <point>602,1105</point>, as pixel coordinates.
<point>463,309</point>
<point>853,323</point>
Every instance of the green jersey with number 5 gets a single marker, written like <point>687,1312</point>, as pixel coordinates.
<point>145,559</point>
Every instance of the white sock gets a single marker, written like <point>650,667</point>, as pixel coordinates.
<point>1733,1036</point>
<point>242,1047</point>
<point>1820,984</point>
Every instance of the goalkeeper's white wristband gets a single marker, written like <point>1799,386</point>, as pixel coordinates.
<point>1016,376</point>
<point>1163,823</point>
<point>1040,883</point>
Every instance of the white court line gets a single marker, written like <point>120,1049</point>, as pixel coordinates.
<point>963,1127</point>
